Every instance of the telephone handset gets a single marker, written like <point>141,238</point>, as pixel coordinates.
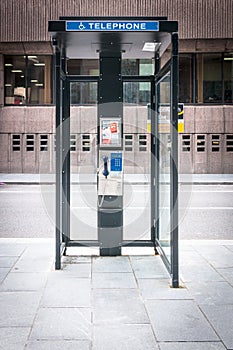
<point>105,172</point>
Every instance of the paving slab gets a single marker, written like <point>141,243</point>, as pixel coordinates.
<point>9,249</point>
<point>217,256</point>
<point>3,273</point>
<point>124,337</point>
<point>59,344</point>
<point>8,261</point>
<point>67,292</point>
<point>118,306</point>
<point>160,289</point>
<point>77,270</point>
<point>221,317</point>
<point>227,274</point>
<point>179,320</point>
<point>13,338</point>
<point>212,293</point>
<point>62,324</point>
<point>18,309</point>
<point>148,267</point>
<point>200,273</point>
<point>192,346</point>
<point>23,282</point>
<point>113,280</point>
<point>111,264</point>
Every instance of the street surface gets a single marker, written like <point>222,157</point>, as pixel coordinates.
<point>206,211</point>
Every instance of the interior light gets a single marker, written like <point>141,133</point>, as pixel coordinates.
<point>39,84</point>
<point>228,58</point>
<point>8,85</point>
<point>16,71</point>
<point>151,46</point>
<point>32,57</point>
<point>39,64</point>
<point>34,81</point>
<point>21,76</point>
<point>8,64</point>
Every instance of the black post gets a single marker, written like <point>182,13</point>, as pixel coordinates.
<point>174,164</point>
<point>58,158</point>
<point>154,157</point>
<point>110,105</point>
<point>65,152</point>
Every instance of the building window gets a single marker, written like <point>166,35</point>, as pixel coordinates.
<point>142,143</point>
<point>30,143</point>
<point>200,143</point>
<point>186,143</point>
<point>86,143</point>
<point>128,142</point>
<point>28,80</point>
<point>206,78</point>
<point>186,78</point>
<point>229,143</point>
<point>43,143</point>
<point>228,78</point>
<point>16,143</point>
<point>215,143</point>
<point>73,143</point>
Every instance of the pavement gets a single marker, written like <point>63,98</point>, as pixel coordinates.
<point>131,178</point>
<point>125,302</point>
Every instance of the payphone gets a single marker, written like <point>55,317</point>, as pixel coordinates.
<point>110,172</point>
<point>110,186</point>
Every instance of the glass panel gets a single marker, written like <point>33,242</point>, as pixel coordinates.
<point>228,78</point>
<point>39,79</point>
<point>129,67</point>
<point>164,136</point>
<point>185,78</point>
<point>83,67</point>
<point>137,67</point>
<point>209,75</point>
<point>83,93</point>
<point>136,162</point>
<point>15,92</point>
<point>83,161</point>
<point>136,92</point>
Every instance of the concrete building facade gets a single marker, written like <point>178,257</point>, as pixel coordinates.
<point>27,112</point>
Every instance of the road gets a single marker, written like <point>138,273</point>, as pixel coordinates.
<point>206,211</point>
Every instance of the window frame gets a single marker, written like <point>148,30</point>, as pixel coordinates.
<point>26,81</point>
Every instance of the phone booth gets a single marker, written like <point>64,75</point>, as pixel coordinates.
<point>110,40</point>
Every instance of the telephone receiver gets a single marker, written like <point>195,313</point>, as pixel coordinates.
<point>105,172</point>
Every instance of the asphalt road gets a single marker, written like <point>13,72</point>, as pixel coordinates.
<point>206,211</point>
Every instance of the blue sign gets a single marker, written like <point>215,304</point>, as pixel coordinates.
<point>116,162</point>
<point>111,26</point>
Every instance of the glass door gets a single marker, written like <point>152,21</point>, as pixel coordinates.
<point>83,160</point>
<point>166,227</point>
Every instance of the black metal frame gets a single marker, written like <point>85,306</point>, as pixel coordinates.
<point>63,151</point>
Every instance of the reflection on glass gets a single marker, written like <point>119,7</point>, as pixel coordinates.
<point>83,93</point>
<point>136,93</point>
<point>83,67</point>
<point>164,132</point>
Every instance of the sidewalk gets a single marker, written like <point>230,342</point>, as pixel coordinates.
<point>131,178</point>
<point>115,302</point>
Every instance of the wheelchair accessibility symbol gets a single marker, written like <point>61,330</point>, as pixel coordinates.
<point>81,26</point>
